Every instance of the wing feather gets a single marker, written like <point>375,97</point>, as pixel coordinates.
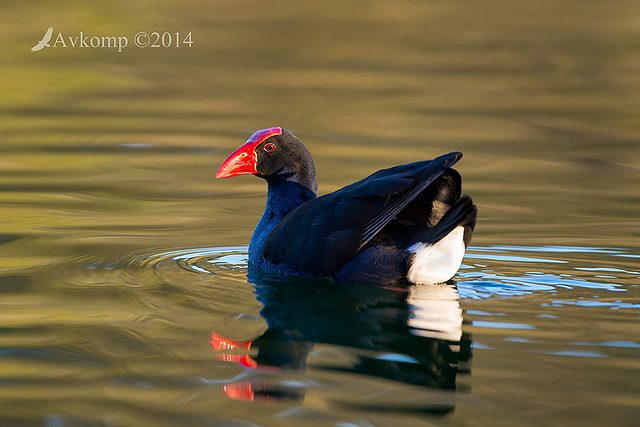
<point>323,234</point>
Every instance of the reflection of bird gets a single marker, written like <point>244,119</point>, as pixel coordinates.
<point>410,335</point>
<point>405,223</point>
<point>45,40</point>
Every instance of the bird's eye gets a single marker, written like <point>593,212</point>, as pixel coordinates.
<point>270,147</point>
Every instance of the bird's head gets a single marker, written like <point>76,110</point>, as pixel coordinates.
<point>271,154</point>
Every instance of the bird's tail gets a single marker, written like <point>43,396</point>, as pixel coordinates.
<point>462,213</point>
<point>438,250</point>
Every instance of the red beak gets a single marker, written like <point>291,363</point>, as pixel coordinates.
<point>244,160</point>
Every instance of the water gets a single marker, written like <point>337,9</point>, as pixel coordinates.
<point>123,273</point>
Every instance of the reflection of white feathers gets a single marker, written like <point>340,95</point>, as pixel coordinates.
<point>439,262</point>
<point>45,40</point>
<point>435,312</point>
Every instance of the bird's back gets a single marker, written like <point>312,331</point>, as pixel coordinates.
<point>322,235</point>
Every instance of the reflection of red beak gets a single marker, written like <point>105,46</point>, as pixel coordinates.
<point>244,160</point>
<point>220,343</point>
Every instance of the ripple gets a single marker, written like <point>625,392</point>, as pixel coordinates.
<point>617,343</point>
<point>504,272</point>
<point>555,249</point>
<point>614,305</point>
<point>610,270</point>
<point>513,258</point>
<point>574,353</point>
<point>501,325</point>
<point>210,279</point>
<point>190,259</point>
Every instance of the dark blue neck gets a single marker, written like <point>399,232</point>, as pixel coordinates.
<point>285,193</point>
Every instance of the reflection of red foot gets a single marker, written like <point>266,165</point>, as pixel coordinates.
<point>220,343</point>
<point>245,392</point>
<point>239,391</point>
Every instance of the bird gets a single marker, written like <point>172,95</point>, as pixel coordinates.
<point>404,224</point>
<point>45,40</point>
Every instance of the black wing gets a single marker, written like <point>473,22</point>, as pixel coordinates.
<point>323,234</point>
